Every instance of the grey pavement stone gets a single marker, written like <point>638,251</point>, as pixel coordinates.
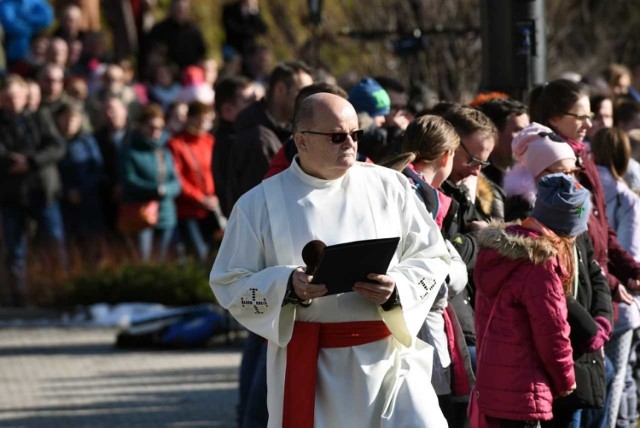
<point>74,377</point>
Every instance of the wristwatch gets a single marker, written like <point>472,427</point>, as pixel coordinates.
<point>393,301</point>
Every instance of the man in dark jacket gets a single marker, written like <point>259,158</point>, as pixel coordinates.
<point>233,95</point>
<point>242,24</point>
<point>110,139</point>
<point>477,138</point>
<point>30,149</point>
<point>262,127</point>
<point>179,35</point>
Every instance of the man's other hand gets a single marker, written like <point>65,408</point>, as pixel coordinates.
<point>377,290</point>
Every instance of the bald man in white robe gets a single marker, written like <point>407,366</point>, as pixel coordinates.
<point>341,360</point>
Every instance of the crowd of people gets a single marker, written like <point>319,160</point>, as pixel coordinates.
<point>109,152</point>
<point>519,224</point>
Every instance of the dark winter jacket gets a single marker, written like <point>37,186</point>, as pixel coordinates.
<point>524,353</point>
<point>258,138</point>
<point>241,29</point>
<point>81,168</point>
<point>35,136</point>
<point>184,41</point>
<point>593,300</point>
<point>224,137</point>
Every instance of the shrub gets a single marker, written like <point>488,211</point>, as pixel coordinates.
<point>169,284</point>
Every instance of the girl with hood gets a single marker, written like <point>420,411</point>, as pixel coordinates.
<point>539,152</point>
<point>522,275</point>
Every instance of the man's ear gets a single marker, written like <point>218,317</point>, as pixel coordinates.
<point>299,140</point>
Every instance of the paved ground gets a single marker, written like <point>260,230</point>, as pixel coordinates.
<point>74,377</point>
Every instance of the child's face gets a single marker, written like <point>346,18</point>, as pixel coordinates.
<point>78,90</point>
<point>35,96</point>
<point>70,123</point>
<point>153,128</point>
<point>178,118</point>
<point>164,77</point>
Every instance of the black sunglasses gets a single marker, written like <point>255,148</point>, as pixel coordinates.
<point>338,137</point>
<point>474,161</point>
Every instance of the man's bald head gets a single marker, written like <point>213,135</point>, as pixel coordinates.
<point>321,118</point>
<point>320,107</point>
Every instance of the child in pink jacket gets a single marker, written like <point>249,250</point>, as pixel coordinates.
<point>523,272</point>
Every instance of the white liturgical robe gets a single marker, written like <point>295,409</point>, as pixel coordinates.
<point>379,384</point>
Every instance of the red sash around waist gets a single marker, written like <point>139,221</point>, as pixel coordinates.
<point>302,362</point>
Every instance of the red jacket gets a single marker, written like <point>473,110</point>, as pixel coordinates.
<point>528,355</point>
<point>192,155</point>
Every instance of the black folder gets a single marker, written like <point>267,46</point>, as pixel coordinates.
<point>343,265</point>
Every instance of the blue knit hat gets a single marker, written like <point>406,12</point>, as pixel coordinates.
<point>562,204</point>
<point>368,96</point>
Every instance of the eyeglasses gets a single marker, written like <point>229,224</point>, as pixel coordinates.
<point>581,117</point>
<point>570,172</point>
<point>338,137</point>
<point>474,160</point>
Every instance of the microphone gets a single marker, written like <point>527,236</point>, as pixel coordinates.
<point>311,254</point>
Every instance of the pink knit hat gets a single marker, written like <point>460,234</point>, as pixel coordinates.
<point>536,147</point>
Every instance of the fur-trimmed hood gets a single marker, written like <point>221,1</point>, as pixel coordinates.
<point>517,242</point>
<point>508,254</point>
<point>484,195</point>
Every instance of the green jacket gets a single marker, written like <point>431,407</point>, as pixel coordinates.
<point>139,170</point>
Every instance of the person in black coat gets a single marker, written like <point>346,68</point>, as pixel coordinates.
<point>30,148</point>
<point>242,24</point>
<point>111,138</point>
<point>179,35</point>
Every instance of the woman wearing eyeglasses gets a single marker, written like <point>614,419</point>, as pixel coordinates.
<point>149,183</point>
<point>564,106</point>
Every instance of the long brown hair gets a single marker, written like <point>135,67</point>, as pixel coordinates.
<point>565,247</point>
<point>426,139</point>
<point>429,137</point>
<point>553,99</point>
<point>610,148</point>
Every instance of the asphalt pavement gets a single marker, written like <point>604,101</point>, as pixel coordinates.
<point>74,377</point>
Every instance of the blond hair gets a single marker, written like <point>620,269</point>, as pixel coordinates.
<point>429,137</point>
